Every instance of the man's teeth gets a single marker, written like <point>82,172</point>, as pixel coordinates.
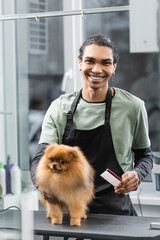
<point>96,78</point>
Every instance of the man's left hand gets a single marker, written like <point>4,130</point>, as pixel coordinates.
<point>129,182</point>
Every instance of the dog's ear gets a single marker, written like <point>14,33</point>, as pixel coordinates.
<point>73,153</point>
<point>50,147</point>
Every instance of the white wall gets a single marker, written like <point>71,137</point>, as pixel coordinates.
<point>2,116</point>
<point>8,85</point>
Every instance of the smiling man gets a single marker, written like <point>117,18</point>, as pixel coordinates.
<point>97,66</point>
<point>109,124</point>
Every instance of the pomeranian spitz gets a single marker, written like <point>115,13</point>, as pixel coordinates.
<point>64,172</point>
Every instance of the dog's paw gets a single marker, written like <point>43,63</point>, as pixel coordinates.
<point>55,220</point>
<point>75,222</point>
<point>48,216</point>
<point>84,216</point>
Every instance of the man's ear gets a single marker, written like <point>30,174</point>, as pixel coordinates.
<point>114,68</point>
<point>80,64</point>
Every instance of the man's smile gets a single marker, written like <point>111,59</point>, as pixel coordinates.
<point>96,78</point>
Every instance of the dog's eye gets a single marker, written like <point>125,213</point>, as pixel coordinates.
<point>52,159</point>
<point>63,162</point>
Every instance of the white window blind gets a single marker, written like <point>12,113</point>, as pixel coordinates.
<point>38,30</point>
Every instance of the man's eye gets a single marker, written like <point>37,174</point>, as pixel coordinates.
<point>106,63</point>
<point>89,61</point>
<point>63,162</point>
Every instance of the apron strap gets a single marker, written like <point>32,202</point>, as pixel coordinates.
<point>108,106</point>
<point>72,110</point>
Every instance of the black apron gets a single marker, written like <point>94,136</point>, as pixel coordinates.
<point>97,146</point>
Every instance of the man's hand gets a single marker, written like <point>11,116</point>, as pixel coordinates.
<point>129,182</point>
<point>50,198</point>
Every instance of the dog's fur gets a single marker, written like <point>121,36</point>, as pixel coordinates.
<point>64,172</point>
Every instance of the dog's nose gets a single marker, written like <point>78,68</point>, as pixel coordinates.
<point>54,166</point>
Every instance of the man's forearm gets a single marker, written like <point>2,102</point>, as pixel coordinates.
<point>143,162</point>
<point>36,159</point>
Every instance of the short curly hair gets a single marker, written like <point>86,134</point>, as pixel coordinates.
<point>100,40</point>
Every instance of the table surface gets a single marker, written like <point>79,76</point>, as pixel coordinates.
<point>95,226</point>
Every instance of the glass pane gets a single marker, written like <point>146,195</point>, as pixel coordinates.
<point>40,68</point>
<point>45,69</point>
<point>104,3</point>
<point>137,73</point>
<point>45,72</point>
<point>33,6</point>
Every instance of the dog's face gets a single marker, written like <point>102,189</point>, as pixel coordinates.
<point>58,164</point>
<point>59,158</point>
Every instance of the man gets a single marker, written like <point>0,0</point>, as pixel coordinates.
<point>109,124</point>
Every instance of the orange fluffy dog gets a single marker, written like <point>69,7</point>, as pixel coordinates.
<point>64,172</point>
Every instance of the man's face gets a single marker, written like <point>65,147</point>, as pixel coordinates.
<point>97,66</point>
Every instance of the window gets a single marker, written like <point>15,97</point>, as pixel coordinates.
<point>40,56</point>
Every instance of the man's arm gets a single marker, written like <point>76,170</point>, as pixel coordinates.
<point>36,159</point>
<point>39,153</point>
<point>143,162</point>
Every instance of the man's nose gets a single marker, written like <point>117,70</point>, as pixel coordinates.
<point>97,68</point>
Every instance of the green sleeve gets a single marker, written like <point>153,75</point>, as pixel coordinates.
<point>49,133</point>
<point>141,139</point>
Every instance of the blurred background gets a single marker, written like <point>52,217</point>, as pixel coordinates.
<point>39,62</point>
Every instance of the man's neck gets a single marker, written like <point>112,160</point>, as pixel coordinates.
<point>94,95</point>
